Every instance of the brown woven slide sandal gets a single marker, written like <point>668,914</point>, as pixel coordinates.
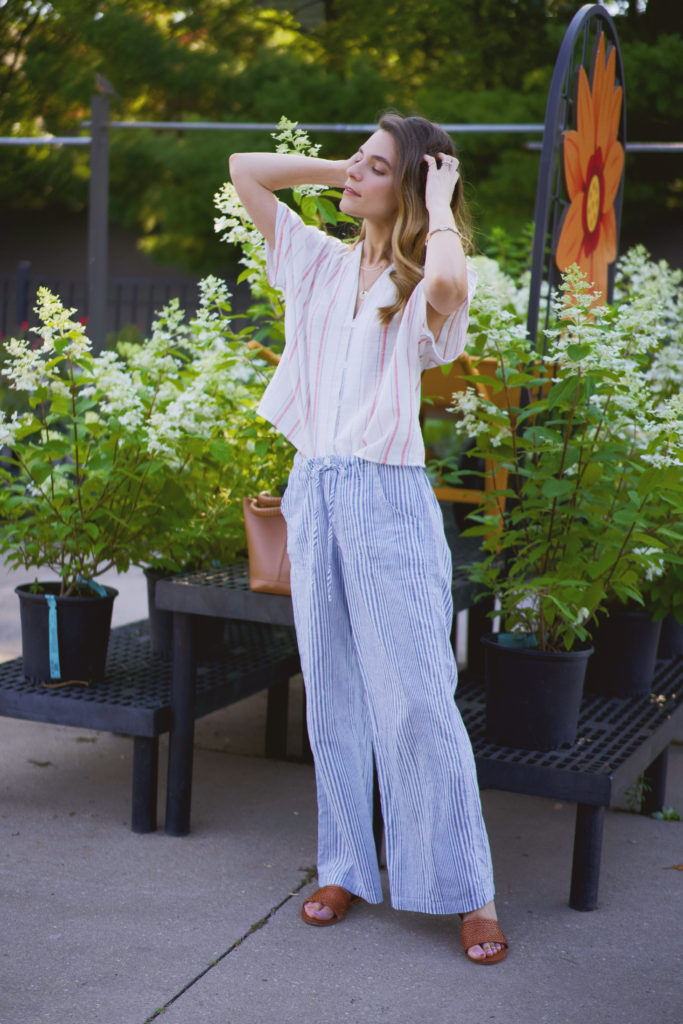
<point>333,896</point>
<point>477,930</point>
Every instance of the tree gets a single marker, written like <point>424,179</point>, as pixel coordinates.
<point>471,61</point>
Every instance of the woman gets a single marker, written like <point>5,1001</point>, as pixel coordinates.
<point>370,567</point>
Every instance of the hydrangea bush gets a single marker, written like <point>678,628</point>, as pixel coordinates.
<point>136,459</point>
<point>593,449</point>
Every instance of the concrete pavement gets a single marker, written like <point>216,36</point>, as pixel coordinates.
<point>106,927</point>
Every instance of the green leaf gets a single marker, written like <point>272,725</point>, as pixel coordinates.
<point>61,344</point>
<point>560,392</point>
<point>91,529</point>
<point>591,474</point>
<point>578,352</point>
<point>222,450</point>
<point>537,435</point>
<point>326,209</point>
<point>557,487</point>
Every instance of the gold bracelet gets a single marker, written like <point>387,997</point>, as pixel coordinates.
<point>444,227</point>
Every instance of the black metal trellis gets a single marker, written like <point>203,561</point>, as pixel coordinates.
<point>578,49</point>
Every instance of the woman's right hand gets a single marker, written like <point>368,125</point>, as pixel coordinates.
<point>344,166</point>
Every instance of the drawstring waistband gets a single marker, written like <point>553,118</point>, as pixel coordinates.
<point>332,466</point>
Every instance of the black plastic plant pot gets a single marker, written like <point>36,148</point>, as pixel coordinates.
<point>209,630</point>
<point>625,656</point>
<point>160,620</point>
<point>670,638</point>
<point>533,697</point>
<point>69,642</point>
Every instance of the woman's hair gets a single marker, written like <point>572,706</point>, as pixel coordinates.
<point>415,136</point>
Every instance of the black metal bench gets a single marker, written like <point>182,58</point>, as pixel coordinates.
<point>134,698</point>
<point>617,741</point>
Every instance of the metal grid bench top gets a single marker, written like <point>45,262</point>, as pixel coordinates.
<point>225,591</point>
<point>617,739</point>
<point>134,696</point>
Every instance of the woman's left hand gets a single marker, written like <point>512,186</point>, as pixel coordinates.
<point>441,179</point>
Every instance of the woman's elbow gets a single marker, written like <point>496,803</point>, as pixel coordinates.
<point>235,162</point>
<point>446,295</point>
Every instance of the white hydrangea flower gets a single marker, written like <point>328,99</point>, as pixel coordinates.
<point>654,559</point>
<point>469,406</point>
<point>494,288</point>
<point>292,139</point>
<point>25,366</point>
<point>9,427</point>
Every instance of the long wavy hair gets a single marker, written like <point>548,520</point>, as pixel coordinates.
<point>415,136</point>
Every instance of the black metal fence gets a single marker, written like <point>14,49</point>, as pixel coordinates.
<point>131,301</point>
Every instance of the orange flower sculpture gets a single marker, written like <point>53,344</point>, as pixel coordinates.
<point>593,165</point>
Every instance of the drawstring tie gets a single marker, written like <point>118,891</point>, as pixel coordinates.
<point>334,468</point>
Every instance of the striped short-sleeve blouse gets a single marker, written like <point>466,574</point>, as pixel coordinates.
<point>349,385</point>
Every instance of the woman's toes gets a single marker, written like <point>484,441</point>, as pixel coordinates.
<point>318,911</point>
<point>485,950</point>
<point>476,952</point>
<point>491,948</point>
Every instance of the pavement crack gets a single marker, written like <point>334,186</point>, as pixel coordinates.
<point>308,874</point>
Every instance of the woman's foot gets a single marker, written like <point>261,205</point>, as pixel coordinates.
<point>491,951</point>
<point>328,905</point>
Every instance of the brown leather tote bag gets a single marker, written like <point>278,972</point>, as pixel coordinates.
<point>266,531</point>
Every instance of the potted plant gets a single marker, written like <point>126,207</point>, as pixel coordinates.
<point>665,598</point>
<point>630,637</point>
<point>593,462</point>
<point>113,463</point>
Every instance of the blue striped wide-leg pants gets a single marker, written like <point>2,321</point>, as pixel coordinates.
<point>371,587</point>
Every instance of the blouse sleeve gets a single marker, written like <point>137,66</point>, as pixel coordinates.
<point>297,247</point>
<point>450,341</point>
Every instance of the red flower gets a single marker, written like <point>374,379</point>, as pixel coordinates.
<point>593,165</point>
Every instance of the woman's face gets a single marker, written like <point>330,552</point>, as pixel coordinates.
<point>370,190</point>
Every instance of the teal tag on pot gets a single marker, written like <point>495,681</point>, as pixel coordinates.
<point>55,670</point>
<point>97,587</point>
<point>523,640</point>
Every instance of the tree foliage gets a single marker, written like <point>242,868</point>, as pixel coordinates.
<point>241,60</point>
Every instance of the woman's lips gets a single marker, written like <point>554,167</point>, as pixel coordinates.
<point>350,191</point>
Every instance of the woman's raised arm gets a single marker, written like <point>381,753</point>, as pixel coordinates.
<point>256,176</point>
<point>445,276</point>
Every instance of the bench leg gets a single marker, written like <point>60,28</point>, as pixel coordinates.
<point>588,830</point>
<point>654,796</point>
<point>181,738</point>
<point>276,720</point>
<point>145,776</point>
<point>306,752</point>
<point>478,624</point>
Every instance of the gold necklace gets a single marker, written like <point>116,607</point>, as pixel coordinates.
<point>373,266</point>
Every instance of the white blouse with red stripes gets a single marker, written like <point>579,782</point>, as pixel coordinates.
<point>349,385</point>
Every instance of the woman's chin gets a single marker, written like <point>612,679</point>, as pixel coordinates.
<point>346,205</point>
